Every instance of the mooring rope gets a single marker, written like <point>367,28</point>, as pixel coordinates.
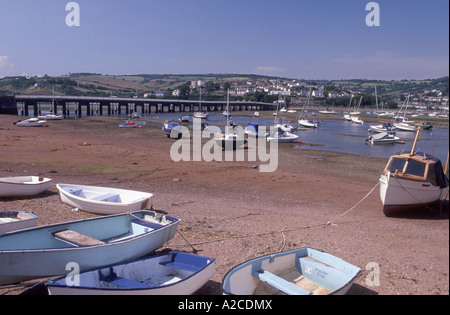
<point>285,229</point>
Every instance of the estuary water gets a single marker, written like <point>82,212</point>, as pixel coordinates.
<point>343,136</point>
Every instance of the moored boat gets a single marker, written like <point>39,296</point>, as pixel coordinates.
<point>103,200</point>
<point>23,186</point>
<point>51,117</point>
<point>173,273</point>
<point>128,124</point>
<point>16,220</point>
<point>412,180</point>
<point>172,129</point>
<point>281,136</point>
<point>383,138</point>
<point>32,122</point>
<point>298,272</point>
<point>93,243</point>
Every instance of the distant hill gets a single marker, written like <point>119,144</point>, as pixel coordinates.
<point>92,84</point>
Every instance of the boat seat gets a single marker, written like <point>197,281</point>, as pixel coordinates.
<point>110,197</point>
<point>184,262</point>
<point>76,192</point>
<point>153,226</point>
<point>279,283</point>
<point>122,282</point>
<point>76,239</point>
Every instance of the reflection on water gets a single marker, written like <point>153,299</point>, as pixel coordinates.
<point>343,136</point>
<point>334,135</point>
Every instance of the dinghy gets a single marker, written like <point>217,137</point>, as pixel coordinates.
<point>51,117</point>
<point>16,220</point>
<point>172,129</point>
<point>94,243</point>
<point>173,273</point>
<point>128,124</point>
<point>103,200</point>
<point>412,180</point>
<point>32,122</point>
<point>383,138</point>
<point>281,136</point>
<point>298,272</point>
<point>23,186</point>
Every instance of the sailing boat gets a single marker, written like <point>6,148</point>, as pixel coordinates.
<point>280,133</point>
<point>384,127</point>
<point>229,140</point>
<point>348,117</point>
<point>403,123</point>
<point>412,180</point>
<point>305,122</point>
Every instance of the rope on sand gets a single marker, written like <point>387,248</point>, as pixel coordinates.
<point>285,229</point>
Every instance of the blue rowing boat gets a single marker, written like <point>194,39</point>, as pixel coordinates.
<point>298,272</point>
<point>48,251</point>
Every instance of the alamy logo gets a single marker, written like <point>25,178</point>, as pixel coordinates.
<point>373,18</point>
<point>73,18</point>
<point>186,150</point>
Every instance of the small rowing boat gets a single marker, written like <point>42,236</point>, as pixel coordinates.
<point>103,200</point>
<point>16,220</point>
<point>23,186</point>
<point>173,273</point>
<point>298,272</point>
<point>93,243</point>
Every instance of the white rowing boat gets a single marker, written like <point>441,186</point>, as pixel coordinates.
<point>23,186</point>
<point>103,200</point>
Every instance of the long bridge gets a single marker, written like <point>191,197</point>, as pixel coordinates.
<point>116,105</point>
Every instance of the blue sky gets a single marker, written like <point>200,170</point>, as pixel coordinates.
<point>302,39</point>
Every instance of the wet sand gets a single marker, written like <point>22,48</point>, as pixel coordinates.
<point>231,211</point>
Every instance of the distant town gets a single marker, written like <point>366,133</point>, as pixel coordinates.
<point>430,94</point>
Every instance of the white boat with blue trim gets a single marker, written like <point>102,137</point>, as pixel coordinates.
<point>93,243</point>
<point>23,186</point>
<point>173,273</point>
<point>298,272</point>
<point>16,220</point>
<point>103,200</point>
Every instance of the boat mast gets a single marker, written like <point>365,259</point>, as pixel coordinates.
<point>415,141</point>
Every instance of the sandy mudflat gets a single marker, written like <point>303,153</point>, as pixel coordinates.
<point>231,211</point>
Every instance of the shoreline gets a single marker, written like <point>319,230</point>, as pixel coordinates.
<point>232,212</point>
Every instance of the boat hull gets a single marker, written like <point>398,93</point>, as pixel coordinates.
<point>183,278</point>
<point>102,200</point>
<point>16,220</point>
<point>268,275</point>
<point>398,194</point>
<point>38,252</point>
<point>24,186</point>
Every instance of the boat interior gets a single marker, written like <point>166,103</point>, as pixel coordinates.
<point>92,232</point>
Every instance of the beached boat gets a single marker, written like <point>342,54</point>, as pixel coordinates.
<point>201,115</point>
<point>184,118</point>
<point>425,125</point>
<point>23,186</point>
<point>405,127</point>
<point>385,127</point>
<point>305,122</point>
<point>281,136</point>
<point>412,180</point>
<point>357,120</point>
<point>16,220</point>
<point>32,122</point>
<point>298,272</point>
<point>173,273</point>
<point>51,117</point>
<point>172,129</point>
<point>103,200</point>
<point>229,140</point>
<point>253,130</point>
<point>128,124</point>
<point>93,243</point>
<point>383,138</point>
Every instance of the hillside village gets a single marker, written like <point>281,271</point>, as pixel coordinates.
<point>430,94</point>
